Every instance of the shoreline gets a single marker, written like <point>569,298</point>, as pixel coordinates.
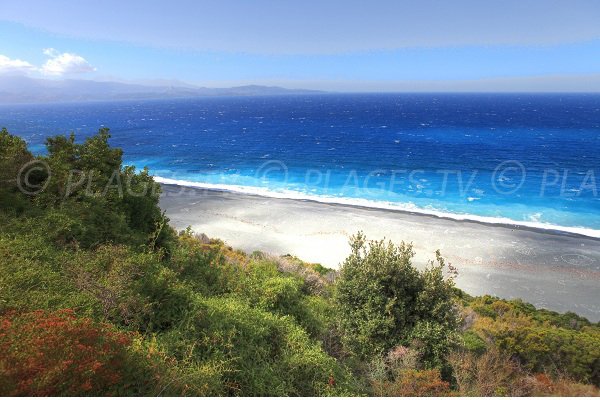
<point>550,269</point>
<point>541,227</point>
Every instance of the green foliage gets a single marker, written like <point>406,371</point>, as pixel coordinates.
<point>541,347</point>
<point>542,340</point>
<point>381,298</point>
<point>493,307</point>
<point>265,287</point>
<point>176,376</point>
<point>86,243</point>
<point>31,276</point>
<point>14,156</point>
<point>473,343</point>
<point>433,342</point>
<point>94,199</point>
<point>264,353</point>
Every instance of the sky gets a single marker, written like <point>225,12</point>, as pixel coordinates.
<point>376,45</point>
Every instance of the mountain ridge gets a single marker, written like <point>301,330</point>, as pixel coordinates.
<point>21,89</point>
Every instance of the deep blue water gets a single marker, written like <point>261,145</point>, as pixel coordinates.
<point>528,158</point>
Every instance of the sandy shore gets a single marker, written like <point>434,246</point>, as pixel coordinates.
<point>552,270</point>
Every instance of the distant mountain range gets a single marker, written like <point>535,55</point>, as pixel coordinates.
<point>20,89</point>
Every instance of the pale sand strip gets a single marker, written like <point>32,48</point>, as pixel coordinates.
<point>556,271</point>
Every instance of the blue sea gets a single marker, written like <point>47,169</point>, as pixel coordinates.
<point>528,159</point>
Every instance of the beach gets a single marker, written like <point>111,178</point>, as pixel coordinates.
<point>555,270</point>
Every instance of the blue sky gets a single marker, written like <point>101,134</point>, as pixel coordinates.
<point>333,45</point>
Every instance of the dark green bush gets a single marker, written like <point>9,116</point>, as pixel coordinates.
<point>381,297</point>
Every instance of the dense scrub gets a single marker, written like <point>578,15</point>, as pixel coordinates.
<point>99,296</point>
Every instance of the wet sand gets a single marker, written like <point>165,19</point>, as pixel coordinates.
<point>553,270</point>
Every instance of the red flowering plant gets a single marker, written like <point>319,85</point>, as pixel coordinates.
<point>57,354</point>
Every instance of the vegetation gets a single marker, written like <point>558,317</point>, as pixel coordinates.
<point>100,296</point>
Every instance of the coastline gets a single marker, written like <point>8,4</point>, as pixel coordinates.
<point>550,269</point>
<point>379,205</point>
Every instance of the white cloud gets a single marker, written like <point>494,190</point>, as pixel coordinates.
<point>14,66</point>
<point>64,63</point>
<point>50,52</point>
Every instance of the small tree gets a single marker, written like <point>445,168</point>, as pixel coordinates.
<point>381,298</point>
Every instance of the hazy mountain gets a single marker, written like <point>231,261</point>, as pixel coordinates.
<point>20,89</point>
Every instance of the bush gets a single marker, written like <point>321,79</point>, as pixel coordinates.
<point>263,354</point>
<point>473,343</point>
<point>381,297</point>
<point>170,376</point>
<point>495,374</point>
<point>56,354</point>
<point>199,264</point>
<point>32,277</point>
<point>490,374</point>
<point>169,299</point>
<point>123,284</point>
<point>433,341</point>
<point>13,156</point>
<point>112,203</point>
<point>401,374</point>
<point>546,348</point>
<point>413,383</point>
<point>544,385</point>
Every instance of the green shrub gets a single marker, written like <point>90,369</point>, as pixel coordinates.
<point>13,157</point>
<point>169,299</point>
<point>171,376</point>
<point>542,347</point>
<point>32,278</point>
<point>434,342</point>
<point>381,297</point>
<point>199,265</point>
<point>472,342</point>
<point>265,354</point>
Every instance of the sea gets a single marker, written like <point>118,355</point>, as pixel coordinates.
<point>519,159</point>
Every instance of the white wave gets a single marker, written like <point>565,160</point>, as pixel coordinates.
<point>406,207</point>
<point>535,217</point>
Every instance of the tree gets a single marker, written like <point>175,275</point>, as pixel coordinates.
<point>382,297</point>
<point>14,156</point>
<point>115,203</point>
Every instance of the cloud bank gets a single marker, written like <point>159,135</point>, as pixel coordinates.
<point>58,64</point>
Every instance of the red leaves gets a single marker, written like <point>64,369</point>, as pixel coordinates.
<point>331,381</point>
<point>57,354</point>
<point>413,383</point>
